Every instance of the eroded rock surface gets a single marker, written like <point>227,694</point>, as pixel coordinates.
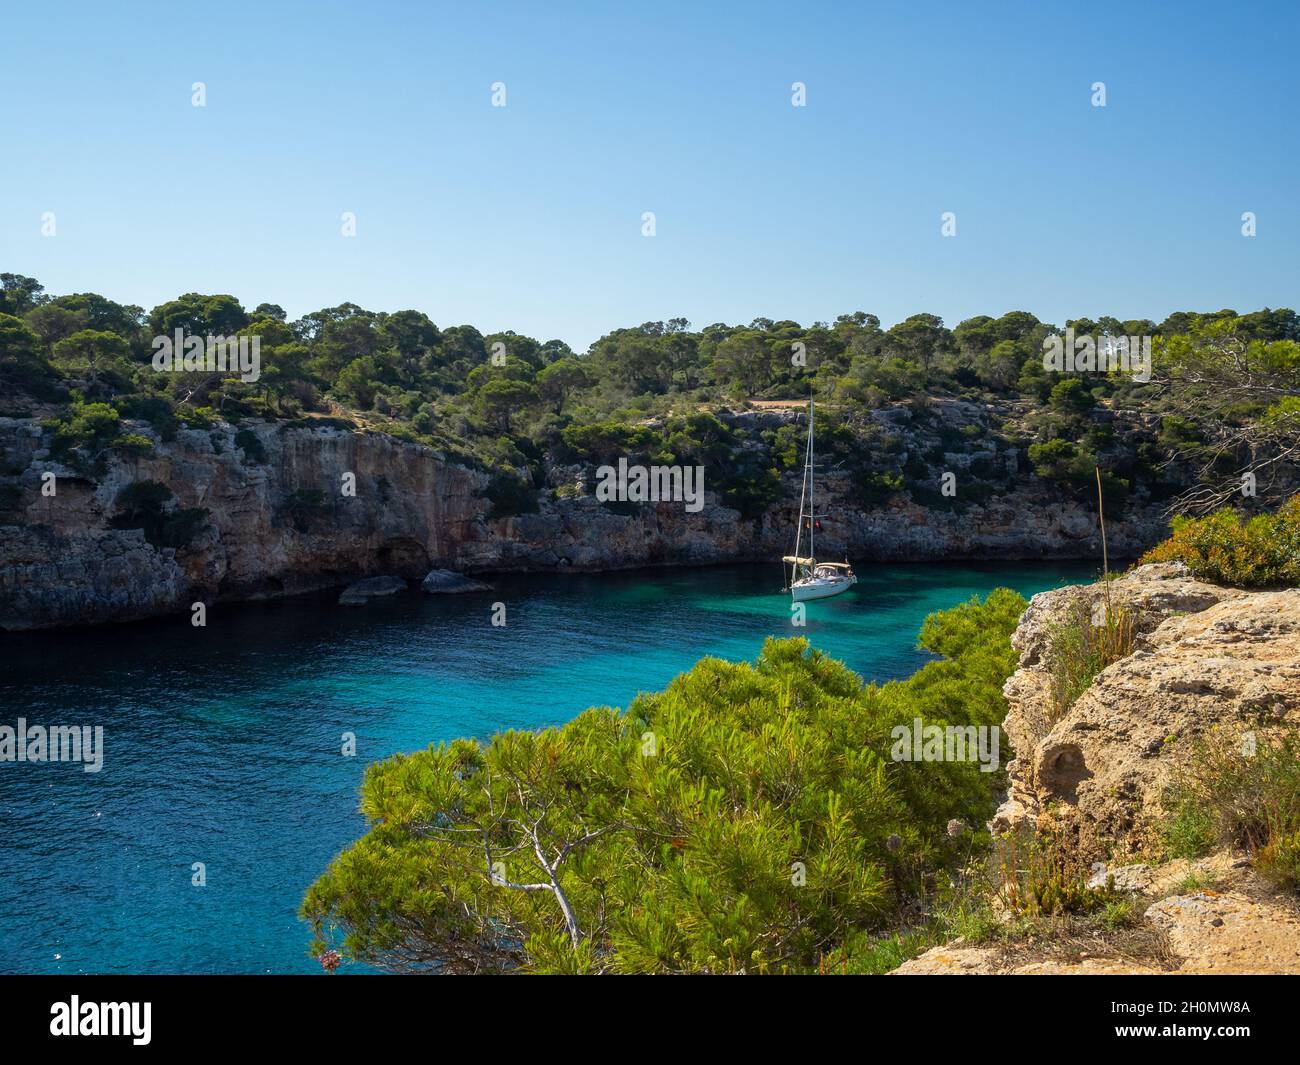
<point>1204,656</point>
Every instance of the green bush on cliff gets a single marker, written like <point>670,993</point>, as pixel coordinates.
<point>148,505</point>
<point>1224,548</point>
<point>510,495</point>
<point>603,441</point>
<point>134,443</point>
<point>875,487</point>
<point>748,487</point>
<point>1071,466</point>
<point>1045,877</point>
<point>304,507</point>
<point>1243,791</point>
<point>747,818</point>
<point>158,411</point>
<point>85,426</point>
<point>252,446</point>
<point>1080,645</point>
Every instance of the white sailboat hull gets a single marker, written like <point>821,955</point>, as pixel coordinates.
<point>820,587</point>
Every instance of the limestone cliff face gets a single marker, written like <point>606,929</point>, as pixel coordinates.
<point>1205,656</point>
<point>280,523</point>
<point>64,564</point>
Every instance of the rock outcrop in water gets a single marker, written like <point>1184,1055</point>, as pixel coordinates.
<point>278,521</point>
<point>447,582</point>
<point>361,592</point>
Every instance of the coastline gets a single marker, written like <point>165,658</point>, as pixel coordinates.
<point>277,525</point>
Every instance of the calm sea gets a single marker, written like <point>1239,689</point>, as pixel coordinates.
<point>222,744</point>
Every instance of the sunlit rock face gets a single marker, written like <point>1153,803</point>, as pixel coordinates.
<point>1204,657</point>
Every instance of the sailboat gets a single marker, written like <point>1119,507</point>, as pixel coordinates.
<point>810,579</point>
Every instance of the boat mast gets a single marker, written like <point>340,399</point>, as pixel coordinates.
<point>805,497</point>
<point>812,504</point>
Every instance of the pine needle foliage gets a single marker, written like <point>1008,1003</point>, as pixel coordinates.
<point>748,818</point>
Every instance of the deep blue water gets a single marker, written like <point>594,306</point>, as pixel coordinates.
<point>222,744</point>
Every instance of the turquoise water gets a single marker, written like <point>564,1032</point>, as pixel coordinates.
<point>222,744</point>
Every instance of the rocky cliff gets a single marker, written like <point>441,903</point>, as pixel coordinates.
<point>1205,658</point>
<point>279,519</point>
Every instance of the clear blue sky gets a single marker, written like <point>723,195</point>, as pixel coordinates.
<point>529,216</point>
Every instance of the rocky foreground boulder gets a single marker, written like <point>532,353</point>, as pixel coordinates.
<point>1240,925</point>
<point>1203,656</point>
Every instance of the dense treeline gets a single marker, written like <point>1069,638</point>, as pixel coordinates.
<point>516,404</point>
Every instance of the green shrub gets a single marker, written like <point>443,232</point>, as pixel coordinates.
<point>1071,396</point>
<point>1069,464</point>
<point>1078,649</point>
<point>510,495</point>
<point>1190,829</point>
<point>156,410</point>
<point>875,488</point>
<point>304,507</point>
<point>317,423</point>
<point>1259,552</point>
<point>1239,790</point>
<point>748,488</point>
<point>748,818</point>
<point>786,444</point>
<point>885,954</point>
<point>1279,859</point>
<point>252,446</point>
<point>1045,877</point>
<point>147,505</point>
<point>929,493</point>
<point>199,417</point>
<point>1177,433</point>
<point>136,443</point>
<point>88,426</point>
